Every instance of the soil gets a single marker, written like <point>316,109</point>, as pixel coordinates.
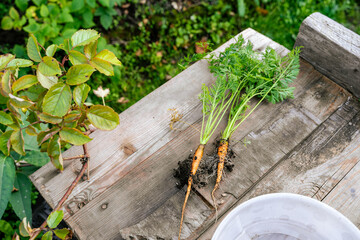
<point>207,170</point>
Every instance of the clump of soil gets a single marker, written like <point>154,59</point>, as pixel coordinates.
<point>207,170</point>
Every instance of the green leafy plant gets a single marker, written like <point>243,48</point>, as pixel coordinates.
<point>48,107</point>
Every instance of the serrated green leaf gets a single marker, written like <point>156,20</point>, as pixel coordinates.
<point>13,13</point>
<point>54,152</point>
<point>77,57</point>
<point>50,50</point>
<point>24,82</point>
<point>74,136</point>
<point>106,21</point>
<point>5,142</point>
<point>7,178</point>
<point>21,199</point>
<point>46,81</point>
<point>36,158</point>
<point>55,218</point>
<point>108,56</point>
<point>5,83</point>
<point>81,93</point>
<point>7,23</point>
<point>5,59</point>
<point>48,118</point>
<point>6,228</point>
<point>17,141</point>
<point>49,66</point>
<point>102,66</point>
<point>90,49</point>
<point>78,74</point>
<point>72,117</point>
<point>103,117</point>
<point>83,37</point>
<point>32,49</point>
<point>5,118</point>
<point>57,100</point>
<point>18,63</point>
<point>20,102</point>
<point>105,3</point>
<point>47,236</point>
<point>46,135</point>
<point>61,233</point>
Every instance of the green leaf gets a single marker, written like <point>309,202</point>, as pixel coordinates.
<point>78,74</point>
<point>48,118</point>
<point>105,3</point>
<point>90,49</point>
<point>6,228</point>
<point>74,136</point>
<point>106,21</point>
<point>103,117</point>
<point>102,66</point>
<point>32,49</point>
<point>72,117</point>
<point>5,142</point>
<point>30,130</point>
<point>91,3</point>
<point>13,13</point>
<point>65,17</point>
<point>83,37</point>
<point>21,4</point>
<point>54,152</point>
<point>7,178</point>
<point>57,100</point>
<point>7,23</point>
<point>18,63</point>
<point>50,50</point>
<point>6,119</point>
<point>44,11</point>
<point>49,66</point>
<point>55,218</point>
<point>46,81</point>
<point>108,56</point>
<point>77,5</point>
<point>24,82</point>
<point>17,141</point>
<point>77,57</point>
<point>81,93</point>
<point>36,158</point>
<point>5,83</point>
<point>23,228</point>
<point>61,233</point>
<point>5,59</point>
<point>21,199</point>
<point>49,234</point>
<point>241,8</point>
<point>20,102</point>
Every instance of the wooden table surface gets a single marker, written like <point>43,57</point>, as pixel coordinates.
<point>309,145</point>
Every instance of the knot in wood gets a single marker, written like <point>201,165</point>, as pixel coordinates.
<point>104,206</point>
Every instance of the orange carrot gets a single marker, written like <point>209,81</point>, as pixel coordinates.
<point>194,166</point>
<point>222,151</point>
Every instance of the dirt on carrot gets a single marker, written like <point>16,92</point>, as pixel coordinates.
<point>207,171</point>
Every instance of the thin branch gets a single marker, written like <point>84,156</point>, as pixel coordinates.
<point>76,157</point>
<point>33,124</point>
<point>68,192</point>
<point>41,46</point>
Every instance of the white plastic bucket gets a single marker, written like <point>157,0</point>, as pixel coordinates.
<point>285,216</point>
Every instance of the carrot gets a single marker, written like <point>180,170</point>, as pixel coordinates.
<point>222,151</point>
<point>194,166</point>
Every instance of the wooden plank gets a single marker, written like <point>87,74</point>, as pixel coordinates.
<point>316,166</point>
<point>332,49</point>
<point>119,157</point>
<point>272,134</point>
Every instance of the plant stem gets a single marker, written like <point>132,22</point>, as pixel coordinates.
<point>41,46</point>
<point>76,157</point>
<point>68,192</point>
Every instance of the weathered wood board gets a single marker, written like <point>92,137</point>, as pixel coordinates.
<point>307,145</point>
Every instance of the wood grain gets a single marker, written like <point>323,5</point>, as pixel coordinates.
<point>332,49</point>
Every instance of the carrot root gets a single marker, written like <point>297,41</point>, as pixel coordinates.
<point>222,151</point>
<point>194,166</point>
